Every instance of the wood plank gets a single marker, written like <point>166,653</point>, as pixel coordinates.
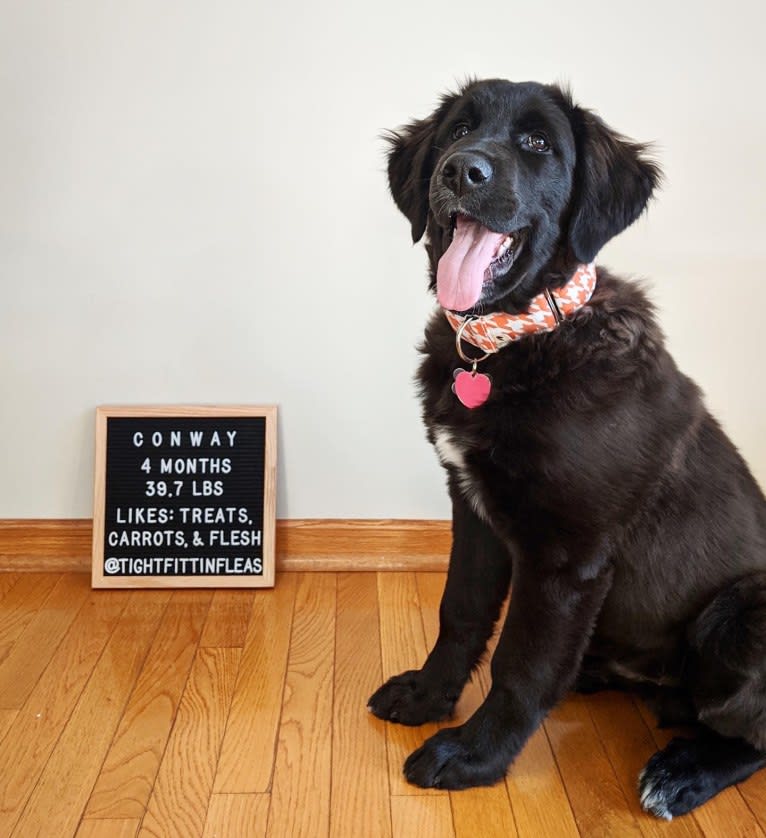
<point>422,815</point>
<point>661,736</point>
<point>539,800</point>
<point>7,581</point>
<point>57,802</point>
<point>728,814</point>
<point>7,718</point>
<point>35,646</point>
<point>302,545</point>
<point>178,805</point>
<point>753,792</point>
<point>628,745</point>
<point>725,814</point>
<point>247,753</point>
<point>237,815</point>
<point>598,802</point>
<point>483,673</point>
<point>108,828</point>
<point>228,619</point>
<point>483,811</point>
<point>126,779</point>
<point>403,647</point>
<point>300,795</point>
<point>38,725</point>
<point>430,589</point>
<point>360,793</point>
<point>20,604</point>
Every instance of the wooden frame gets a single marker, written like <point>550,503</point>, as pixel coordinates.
<point>185,412</point>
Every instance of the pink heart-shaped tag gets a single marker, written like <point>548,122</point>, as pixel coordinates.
<point>472,388</point>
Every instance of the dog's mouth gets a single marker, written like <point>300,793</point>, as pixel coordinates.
<point>475,258</point>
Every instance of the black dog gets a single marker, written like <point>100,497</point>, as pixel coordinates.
<point>636,532</point>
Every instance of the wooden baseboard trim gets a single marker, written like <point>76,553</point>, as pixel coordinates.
<point>302,545</point>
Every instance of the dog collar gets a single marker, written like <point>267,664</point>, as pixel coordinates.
<point>491,332</point>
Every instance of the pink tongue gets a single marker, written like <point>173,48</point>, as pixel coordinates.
<point>460,273</point>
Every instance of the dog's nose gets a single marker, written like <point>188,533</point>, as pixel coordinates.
<point>465,171</point>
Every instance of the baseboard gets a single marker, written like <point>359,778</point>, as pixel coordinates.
<point>305,544</point>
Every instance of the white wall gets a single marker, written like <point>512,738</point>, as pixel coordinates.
<point>193,209</point>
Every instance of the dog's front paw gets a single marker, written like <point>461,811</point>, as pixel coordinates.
<point>451,760</point>
<point>411,699</point>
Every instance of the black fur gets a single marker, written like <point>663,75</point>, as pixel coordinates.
<point>636,534</point>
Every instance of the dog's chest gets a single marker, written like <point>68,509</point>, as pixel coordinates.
<point>486,449</point>
<point>456,455</point>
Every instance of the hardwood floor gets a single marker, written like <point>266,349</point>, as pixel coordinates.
<point>242,713</point>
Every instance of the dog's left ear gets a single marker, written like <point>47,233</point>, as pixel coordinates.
<point>410,164</point>
<point>613,182</point>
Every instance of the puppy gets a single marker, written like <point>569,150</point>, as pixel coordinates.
<point>580,462</point>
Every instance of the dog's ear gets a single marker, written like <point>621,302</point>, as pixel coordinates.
<point>613,182</point>
<point>410,164</point>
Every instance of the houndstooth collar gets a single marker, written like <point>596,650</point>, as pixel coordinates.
<point>491,332</point>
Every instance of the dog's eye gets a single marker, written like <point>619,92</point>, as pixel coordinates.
<point>537,142</point>
<point>460,130</point>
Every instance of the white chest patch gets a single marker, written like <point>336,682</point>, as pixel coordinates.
<point>452,455</point>
<point>449,453</point>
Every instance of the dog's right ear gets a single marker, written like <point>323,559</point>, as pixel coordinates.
<point>410,164</point>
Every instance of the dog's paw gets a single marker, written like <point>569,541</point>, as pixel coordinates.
<point>672,783</point>
<point>450,761</point>
<point>411,699</point>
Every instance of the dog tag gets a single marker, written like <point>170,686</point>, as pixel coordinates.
<point>472,388</point>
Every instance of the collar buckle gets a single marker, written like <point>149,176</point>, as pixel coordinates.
<point>553,306</point>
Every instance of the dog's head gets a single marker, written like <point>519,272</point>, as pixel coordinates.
<point>514,185</point>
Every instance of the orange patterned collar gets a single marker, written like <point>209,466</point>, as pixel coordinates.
<point>491,332</point>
